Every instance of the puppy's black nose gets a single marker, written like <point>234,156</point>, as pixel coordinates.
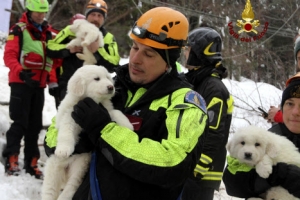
<point>110,88</point>
<point>248,155</point>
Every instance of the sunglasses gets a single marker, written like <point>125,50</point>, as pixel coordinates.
<point>143,33</point>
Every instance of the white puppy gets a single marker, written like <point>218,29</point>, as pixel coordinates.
<point>63,170</point>
<point>262,149</point>
<point>86,33</point>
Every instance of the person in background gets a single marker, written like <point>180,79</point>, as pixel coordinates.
<point>108,56</point>
<point>57,63</point>
<point>169,119</point>
<point>247,183</point>
<point>24,55</point>
<point>205,73</point>
<point>274,113</point>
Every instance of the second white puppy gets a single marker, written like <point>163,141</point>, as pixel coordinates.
<point>86,33</point>
<point>61,169</point>
<point>262,149</point>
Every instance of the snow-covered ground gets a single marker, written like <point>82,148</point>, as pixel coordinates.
<point>248,96</point>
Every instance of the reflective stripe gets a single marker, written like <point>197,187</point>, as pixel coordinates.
<point>36,46</point>
<point>213,176</point>
<point>230,106</point>
<point>200,169</point>
<point>219,103</point>
<point>205,159</point>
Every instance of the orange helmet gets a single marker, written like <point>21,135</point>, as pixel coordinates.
<point>96,6</point>
<point>296,76</point>
<point>161,28</point>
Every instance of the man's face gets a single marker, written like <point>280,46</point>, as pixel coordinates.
<point>291,114</point>
<point>298,61</point>
<point>38,17</point>
<point>96,18</point>
<point>145,64</point>
<point>186,53</point>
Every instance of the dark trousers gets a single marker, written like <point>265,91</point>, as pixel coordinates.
<point>25,109</point>
<point>195,191</point>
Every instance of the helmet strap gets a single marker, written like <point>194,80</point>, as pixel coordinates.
<point>167,57</point>
<point>168,61</point>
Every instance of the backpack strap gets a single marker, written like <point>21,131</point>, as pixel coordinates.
<point>94,184</point>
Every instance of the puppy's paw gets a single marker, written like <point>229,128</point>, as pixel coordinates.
<point>264,166</point>
<point>263,170</point>
<point>69,46</point>
<point>120,118</point>
<point>63,151</point>
<point>80,56</point>
<point>85,43</point>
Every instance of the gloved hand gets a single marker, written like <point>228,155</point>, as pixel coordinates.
<point>26,76</point>
<point>55,92</point>
<point>278,174</point>
<point>287,176</point>
<point>92,117</point>
<point>84,144</point>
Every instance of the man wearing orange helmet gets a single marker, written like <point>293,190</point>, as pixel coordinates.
<point>108,56</point>
<point>169,119</point>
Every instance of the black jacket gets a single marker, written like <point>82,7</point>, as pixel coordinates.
<point>208,82</point>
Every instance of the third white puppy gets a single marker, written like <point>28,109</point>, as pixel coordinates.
<point>63,170</point>
<point>262,149</point>
<point>86,33</point>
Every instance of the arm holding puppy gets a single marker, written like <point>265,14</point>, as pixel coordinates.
<point>247,183</point>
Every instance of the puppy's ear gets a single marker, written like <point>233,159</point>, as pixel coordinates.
<point>228,146</point>
<point>76,85</point>
<point>101,40</point>
<point>272,149</point>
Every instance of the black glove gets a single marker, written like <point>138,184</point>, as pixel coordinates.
<point>26,77</point>
<point>287,176</point>
<point>92,117</point>
<point>84,144</point>
<point>55,92</point>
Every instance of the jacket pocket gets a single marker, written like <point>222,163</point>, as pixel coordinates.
<point>15,108</point>
<point>33,60</point>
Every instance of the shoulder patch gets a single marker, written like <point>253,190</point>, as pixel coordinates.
<point>196,99</point>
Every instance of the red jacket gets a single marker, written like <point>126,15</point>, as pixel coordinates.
<point>14,48</point>
<point>278,117</point>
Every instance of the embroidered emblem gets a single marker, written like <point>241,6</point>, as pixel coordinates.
<point>136,112</point>
<point>196,99</point>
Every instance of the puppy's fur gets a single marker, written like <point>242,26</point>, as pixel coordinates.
<point>86,33</point>
<point>61,170</point>
<point>262,149</point>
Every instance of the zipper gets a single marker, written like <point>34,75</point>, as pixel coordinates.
<point>179,123</point>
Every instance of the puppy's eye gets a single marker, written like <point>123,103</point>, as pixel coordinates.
<point>257,144</point>
<point>97,79</point>
<point>242,143</point>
